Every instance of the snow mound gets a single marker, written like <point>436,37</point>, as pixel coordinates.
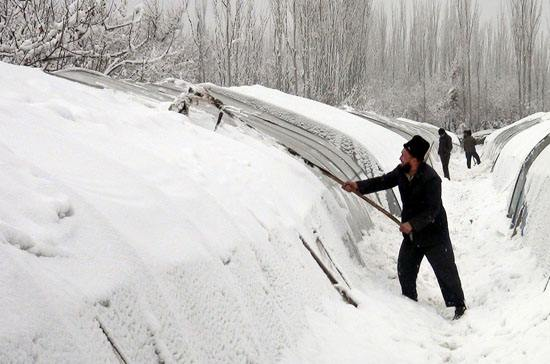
<point>382,143</point>
<point>521,175</point>
<point>127,231</point>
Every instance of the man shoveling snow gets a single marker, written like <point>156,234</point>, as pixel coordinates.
<point>424,223</point>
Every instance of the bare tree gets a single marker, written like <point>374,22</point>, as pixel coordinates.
<point>280,35</point>
<point>293,48</point>
<point>468,20</point>
<point>87,33</point>
<point>524,23</point>
<point>252,50</point>
<point>426,59</point>
<point>199,32</point>
<point>231,18</point>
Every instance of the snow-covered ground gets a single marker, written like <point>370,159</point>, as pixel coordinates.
<point>181,244</point>
<point>497,140</point>
<point>503,281</point>
<point>537,212</point>
<point>513,153</point>
<point>121,220</point>
<point>535,200</point>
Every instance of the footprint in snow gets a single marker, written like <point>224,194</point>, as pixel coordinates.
<point>449,345</point>
<point>19,239</point>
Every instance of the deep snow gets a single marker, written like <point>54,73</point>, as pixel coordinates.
<point>503,281</point>
<point>180,242</point>
<point>183,245</point>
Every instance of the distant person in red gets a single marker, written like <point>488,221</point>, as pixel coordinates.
<point>424,223</point>
<point>470,148</point>
<point>444,151</point>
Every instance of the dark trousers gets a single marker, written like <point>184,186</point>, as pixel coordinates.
<point>442,260</point>
<point>445,163</point>
<point>469,156</point>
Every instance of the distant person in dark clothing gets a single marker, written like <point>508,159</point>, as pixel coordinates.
<point>424,223</point>
<point>444,151</point>
<point>470,148</point>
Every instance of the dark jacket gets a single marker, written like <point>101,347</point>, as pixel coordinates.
<point>422,205</point>
<point>445,144</point>
<point>469,144</point>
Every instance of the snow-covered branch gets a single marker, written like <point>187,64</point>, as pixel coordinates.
<point>84,33</point>
<point>119,63</point>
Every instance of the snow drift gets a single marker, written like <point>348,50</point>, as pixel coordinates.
<point>521,173</point>
<point>126,231</point>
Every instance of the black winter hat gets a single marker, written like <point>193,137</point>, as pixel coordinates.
<point>418,147</point>
<point>441,131</point>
